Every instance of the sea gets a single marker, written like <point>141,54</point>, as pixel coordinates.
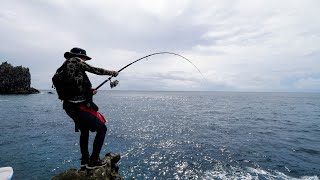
<point>170,135</point>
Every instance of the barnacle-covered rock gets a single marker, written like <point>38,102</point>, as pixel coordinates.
<point>106,172</point>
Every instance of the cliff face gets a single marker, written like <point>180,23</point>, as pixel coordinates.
<point>15,80</point>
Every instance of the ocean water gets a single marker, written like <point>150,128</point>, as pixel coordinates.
<point>170,135</point>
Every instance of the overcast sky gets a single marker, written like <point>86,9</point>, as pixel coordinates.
<point>239,45</point>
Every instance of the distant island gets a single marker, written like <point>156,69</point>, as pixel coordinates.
<point>15,80</point>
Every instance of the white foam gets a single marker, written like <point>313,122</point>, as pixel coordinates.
<point>6,173</point>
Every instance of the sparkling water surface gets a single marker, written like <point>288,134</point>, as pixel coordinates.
<point>170,135</point>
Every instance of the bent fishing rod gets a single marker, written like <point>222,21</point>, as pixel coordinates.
<point>114,83</point>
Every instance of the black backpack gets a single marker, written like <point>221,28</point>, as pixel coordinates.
<point>64,86</point>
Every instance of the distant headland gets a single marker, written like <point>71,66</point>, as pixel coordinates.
<point>15,80</point>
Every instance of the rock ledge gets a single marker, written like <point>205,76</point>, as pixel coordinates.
<point>107,172</point>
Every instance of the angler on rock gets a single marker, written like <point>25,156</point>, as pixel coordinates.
<point>75,90</point>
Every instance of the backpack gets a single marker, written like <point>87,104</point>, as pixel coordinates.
<point>63,84</point>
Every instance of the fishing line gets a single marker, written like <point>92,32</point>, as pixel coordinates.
<point>114,83</point>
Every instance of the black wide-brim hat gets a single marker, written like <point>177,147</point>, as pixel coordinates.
<point>76,52</point>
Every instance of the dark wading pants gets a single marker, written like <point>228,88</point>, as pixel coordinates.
<point>85,122</point>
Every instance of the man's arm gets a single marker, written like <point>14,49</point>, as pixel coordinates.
<point>96,70</point>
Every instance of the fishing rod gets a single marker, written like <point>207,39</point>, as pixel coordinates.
<point>114,83</point>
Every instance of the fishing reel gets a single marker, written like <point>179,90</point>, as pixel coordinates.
<point>114,83</point>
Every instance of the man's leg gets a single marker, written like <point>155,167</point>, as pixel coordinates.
<point>84,139</point>
<point>98,142</point>
<point>94,122</point>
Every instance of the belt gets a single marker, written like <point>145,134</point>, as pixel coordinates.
<point>79,101</point>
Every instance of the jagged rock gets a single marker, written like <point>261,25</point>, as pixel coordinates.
<point>107,172</point>
<point>15,80</point>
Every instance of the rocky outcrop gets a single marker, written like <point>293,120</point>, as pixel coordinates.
<point>107,172</point>
<point>15,80</point>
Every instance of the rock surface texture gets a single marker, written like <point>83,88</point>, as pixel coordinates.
<point>107,172</point>
<point>15,80</point>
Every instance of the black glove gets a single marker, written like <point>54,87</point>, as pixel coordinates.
<point>115,73</point>
<point>92,105</point>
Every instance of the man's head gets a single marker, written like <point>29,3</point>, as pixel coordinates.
<point>77,52</point>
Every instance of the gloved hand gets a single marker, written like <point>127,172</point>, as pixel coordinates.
<point>93,106</point>
<point>115,73</point>
<point>94,91</point>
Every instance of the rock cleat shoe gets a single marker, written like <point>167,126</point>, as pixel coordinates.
<point>84,163</point>
<point>96,164</point>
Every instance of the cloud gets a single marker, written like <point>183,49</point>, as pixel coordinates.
<point>309,84</point>
<point>238,45</point>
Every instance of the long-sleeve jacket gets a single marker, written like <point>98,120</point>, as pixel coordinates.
<point>75,69</point>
